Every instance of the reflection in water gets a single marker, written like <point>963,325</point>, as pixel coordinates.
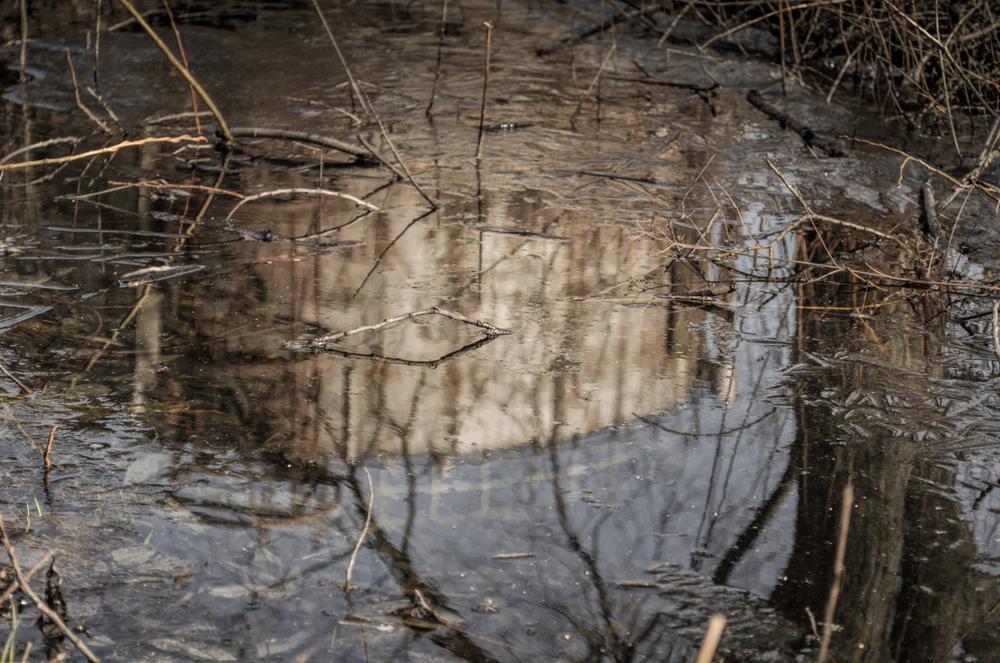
<point>635,456</point>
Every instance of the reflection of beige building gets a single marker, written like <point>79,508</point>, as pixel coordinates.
<point>573,364</point>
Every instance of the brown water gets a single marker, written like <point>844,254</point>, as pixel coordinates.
<point>590,487</point>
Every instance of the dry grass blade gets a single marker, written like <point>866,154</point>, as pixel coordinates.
<point>364,530</point>
<point>847,503</point>
<point>713,634</point>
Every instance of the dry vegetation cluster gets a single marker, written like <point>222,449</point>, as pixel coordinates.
<point>925,59</point>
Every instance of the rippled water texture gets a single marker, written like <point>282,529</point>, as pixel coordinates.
<point>591,486</point>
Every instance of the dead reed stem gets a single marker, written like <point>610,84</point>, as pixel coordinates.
<point>716,625</point>
<point>103,150</point>
<point>40,603</point>
<point>180,49</point>
<point>486,83</point>
<point>179,66</point>
<point>440,49</point>
<point>846,505</point>
<point>24,40</point>
<point>364,530</point>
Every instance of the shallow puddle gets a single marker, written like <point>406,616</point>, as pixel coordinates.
<point>665,433</point>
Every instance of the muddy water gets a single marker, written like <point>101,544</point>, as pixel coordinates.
<point>590,487</point>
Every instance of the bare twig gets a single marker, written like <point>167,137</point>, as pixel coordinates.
<point>716,625</point>
<point>47,456</point>
<point>369,107</point>
<point>434,310</point>
<point>14,586</point>
<point>179,66</point>
<point>437,67</point>
<point>104,150</point>
<point>364,530</point>
<point>294,190</point>
<point>23,387</point>
<point>486,83</point>
<point>847,503</point>
<point>40,603</point>
<point>79,102</point>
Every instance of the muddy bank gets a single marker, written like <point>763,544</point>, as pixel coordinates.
<point>665,433</point>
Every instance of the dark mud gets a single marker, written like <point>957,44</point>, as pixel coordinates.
<point>665,434</point>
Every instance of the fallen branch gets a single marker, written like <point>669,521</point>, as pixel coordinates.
<point>302,136</point>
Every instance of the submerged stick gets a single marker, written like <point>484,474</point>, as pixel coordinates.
<point>179,66</point>
<point>40,603</point>
<point>486,83</point>
<point>364,531</point>
<point>847,503</point>
<point>716,625</point>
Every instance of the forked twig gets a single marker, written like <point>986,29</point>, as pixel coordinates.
<point>40,603</point>
<point>434,310</point>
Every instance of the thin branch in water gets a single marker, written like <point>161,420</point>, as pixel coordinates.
<point>434,310</point>
<point>79,102</point>
<point>293,190</point>
<point>846,504</point>
<point>302,136</point>
<point>23,387</point>
<point>184,71</point>
<point>486,83</point>
<point>364,530</point>
<point>440,48</point>
<point>187,65</point>
<point>47,456</point>
<point>111,149</point>
<point>40,603</point>
<point>369,107</point>
<point>14,586</point>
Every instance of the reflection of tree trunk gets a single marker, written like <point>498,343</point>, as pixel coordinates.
<point>908,590</point>
<point>941,602</point>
